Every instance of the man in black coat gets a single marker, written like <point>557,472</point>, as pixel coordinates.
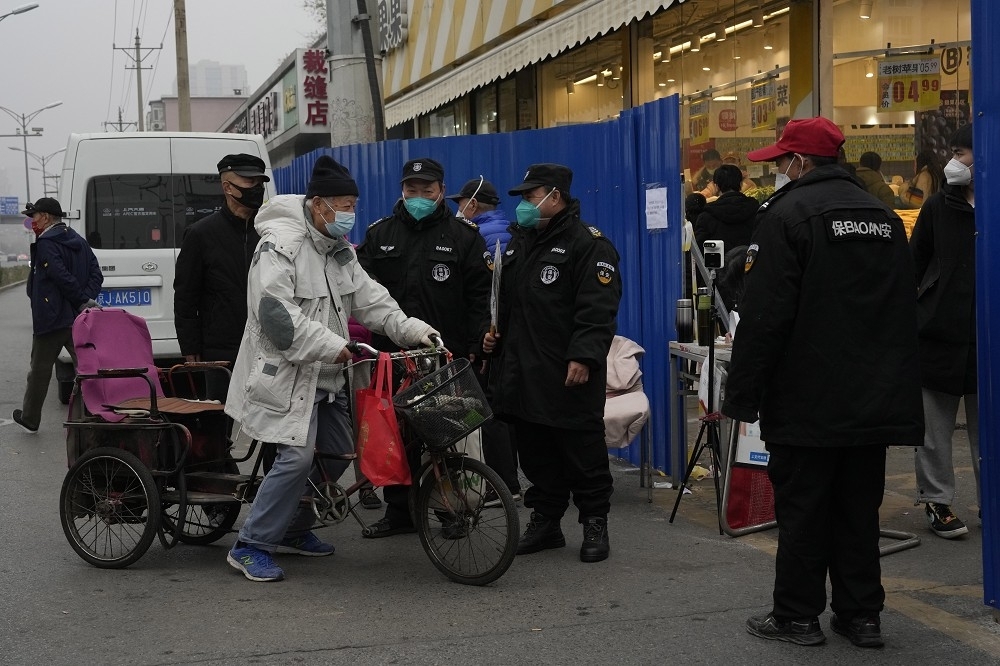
<point>944,251</point>
<point>65,279</point>
<point>730,218</point>
<point>557,316</point>
<point>826,354</point>
<point>210,281</point>
<point>437,269</point>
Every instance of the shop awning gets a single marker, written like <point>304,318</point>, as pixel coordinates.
<point>575,26</point>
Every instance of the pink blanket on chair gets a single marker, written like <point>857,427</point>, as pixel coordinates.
<point>107,339</point>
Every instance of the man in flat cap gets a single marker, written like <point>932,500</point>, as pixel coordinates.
<point>437,268</point>
<point>826,355</point>
<point>288,384</point>
<point>65,279</point>
<point>558,314</point>
<point>210,283</point>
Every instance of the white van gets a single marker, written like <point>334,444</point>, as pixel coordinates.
<point>132,195</point>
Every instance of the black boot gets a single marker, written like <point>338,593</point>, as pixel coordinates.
<point>595,539</point>
<point>540,534</point>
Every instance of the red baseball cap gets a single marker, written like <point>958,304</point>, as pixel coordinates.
<point>806,136</point>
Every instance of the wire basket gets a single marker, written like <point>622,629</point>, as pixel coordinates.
<point>445,406</point>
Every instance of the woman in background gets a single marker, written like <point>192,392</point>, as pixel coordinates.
<point>927,180</point>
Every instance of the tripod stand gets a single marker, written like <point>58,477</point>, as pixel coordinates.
<point>709,435</point>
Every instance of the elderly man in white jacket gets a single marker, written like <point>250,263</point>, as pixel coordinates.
<point>288,386</point>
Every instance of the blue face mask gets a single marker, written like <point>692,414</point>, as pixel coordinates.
<point>342,222</point>
<point>528,215</point>
<point>419,207</point>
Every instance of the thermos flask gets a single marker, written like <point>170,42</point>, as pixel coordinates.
<point>704,317</point>
<point>685,320</point>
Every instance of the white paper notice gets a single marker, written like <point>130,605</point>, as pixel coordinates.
<point>656,208</point>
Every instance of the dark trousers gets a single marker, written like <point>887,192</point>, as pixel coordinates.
<point>561,463</point>
<point>826,501</point>
<point>499,451</point>
<point>44,352</point>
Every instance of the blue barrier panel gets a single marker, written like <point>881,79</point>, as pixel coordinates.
<point>612,162</point>
<point>986,115</point>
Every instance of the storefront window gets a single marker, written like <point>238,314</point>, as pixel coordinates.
<point>486,110</point>
<point>450,120</point>
<point>584,85</point>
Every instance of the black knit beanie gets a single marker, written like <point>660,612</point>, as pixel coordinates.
<point>330,179</point>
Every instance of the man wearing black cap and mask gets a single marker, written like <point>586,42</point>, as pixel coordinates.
<point>288,384</point>
<point>558,314</point>
<point>826,356</point>
<point>65,279</point>
<point>210,283</point>
<point>437,268</point>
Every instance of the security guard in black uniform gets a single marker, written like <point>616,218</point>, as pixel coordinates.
<point>826,354</point>
<point>559,299</point>
<point>437,268</point>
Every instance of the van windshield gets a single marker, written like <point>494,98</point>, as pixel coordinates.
<point>148,211</point>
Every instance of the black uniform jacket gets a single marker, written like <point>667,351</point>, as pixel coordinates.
<point>826,348</point>
<point>210,285</point>
<point>437,269</point>
<point>559,295</point>
<point>944,252</point>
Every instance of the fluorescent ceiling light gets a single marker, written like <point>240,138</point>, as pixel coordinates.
<point>757,18</point>
<point>586,79</point>
<point>724,98</point>
<point>570,88</point>
<point>695,40</point>
<point>720,32</point>
<point>870,68</point>
<point>865,11</point>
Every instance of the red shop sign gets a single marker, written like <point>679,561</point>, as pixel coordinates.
<point>727,120</point>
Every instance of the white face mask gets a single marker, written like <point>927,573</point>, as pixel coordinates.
<point>957,173</point>
<point>782,179</point>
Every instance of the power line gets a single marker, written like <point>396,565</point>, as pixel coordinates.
<point>138,59</point>
<point>156,63</point>
<point>111,83</point>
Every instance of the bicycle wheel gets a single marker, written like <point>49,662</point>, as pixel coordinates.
<point>204,523</point>
<point>109,508</point>
<point>467,541</point>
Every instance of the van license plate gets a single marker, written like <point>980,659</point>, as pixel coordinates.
<point>116,298</point>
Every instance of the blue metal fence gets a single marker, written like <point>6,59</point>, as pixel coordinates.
<point>986,114</point>
<point>613,162</point>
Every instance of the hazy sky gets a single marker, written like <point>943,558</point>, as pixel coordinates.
<point>63,51</point>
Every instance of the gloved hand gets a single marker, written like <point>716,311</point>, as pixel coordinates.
<point>90,304</point>
<point>431,339</point>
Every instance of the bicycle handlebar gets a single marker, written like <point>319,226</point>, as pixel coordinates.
<point>358,347</point>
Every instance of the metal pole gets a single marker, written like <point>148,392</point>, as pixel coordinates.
<point>27,175</point>
<point>138,77</point>
<point>183,75</point>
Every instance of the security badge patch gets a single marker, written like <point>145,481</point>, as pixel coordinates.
<point>605,272</point>
<point>751,257</point>
<point>549,274</point>
<point>440,272</point>
<point>488,258</point>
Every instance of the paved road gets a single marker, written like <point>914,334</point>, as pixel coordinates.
<point>669,594</point>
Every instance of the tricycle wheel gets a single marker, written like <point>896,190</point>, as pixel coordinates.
<point>204,523</point>
<point>109,508</point>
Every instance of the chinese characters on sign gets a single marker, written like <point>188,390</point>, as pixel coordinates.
<point>909,83</point>
<point>763,105</point>
<point>393,23</point>
<point>314,71</point>
<point>265,117</point>
<point>698,123</point>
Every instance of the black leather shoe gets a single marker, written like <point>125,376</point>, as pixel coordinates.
<point>595,545</point>
<point>801,632</point>
<point>25,426</point>
<point>540,534</point>
<point>864,630</point>
<point>386,528</point>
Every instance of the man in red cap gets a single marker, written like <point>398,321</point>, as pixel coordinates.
<point>826,355</point>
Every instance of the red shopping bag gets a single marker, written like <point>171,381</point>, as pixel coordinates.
<point>380,445</point>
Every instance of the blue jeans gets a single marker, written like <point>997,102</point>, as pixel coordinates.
<point>275,511</point>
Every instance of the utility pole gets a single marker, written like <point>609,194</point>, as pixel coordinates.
<point>354,72</point>
<point>137,58</point>
<point>183,74</point>
<point>119,126</point>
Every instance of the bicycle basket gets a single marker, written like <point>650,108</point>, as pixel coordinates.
<point>445,406</point>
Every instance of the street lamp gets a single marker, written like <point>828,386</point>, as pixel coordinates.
<point>43,160</point>
<point>23,119</point>
<point>19,10</point>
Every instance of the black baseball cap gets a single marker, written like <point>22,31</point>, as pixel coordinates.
<point>423,168</point>
<point>244,165</point>
<point>44,205</point>
<point>486,192</point>
<point>545,175</point>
